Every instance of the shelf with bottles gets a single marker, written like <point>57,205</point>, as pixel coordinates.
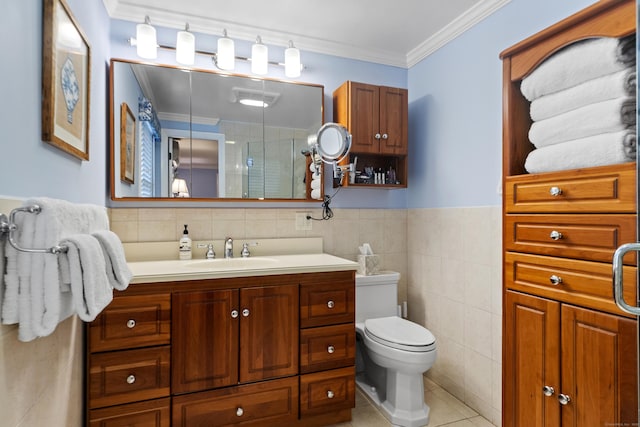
<point>375,170</point>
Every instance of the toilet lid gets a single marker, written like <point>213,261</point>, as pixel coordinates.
<point>399,333</point>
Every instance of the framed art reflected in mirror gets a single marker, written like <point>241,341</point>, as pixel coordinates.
<point>128,146</point>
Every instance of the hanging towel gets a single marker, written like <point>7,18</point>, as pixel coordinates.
<point>593,119</point>
<point>85,266</point>
<point>117,270</point>
<point>577,63</point>
<point>597,150</point>
<point>610,86</point>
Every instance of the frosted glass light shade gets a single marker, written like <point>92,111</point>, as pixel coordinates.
<point>259,58</point>
<point>185,48</point>
<point>226,54</point>
<point>147,45</point>
<point>292,61</point>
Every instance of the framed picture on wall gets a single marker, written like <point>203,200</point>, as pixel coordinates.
<point>127,144</point>
<point>66,64</point>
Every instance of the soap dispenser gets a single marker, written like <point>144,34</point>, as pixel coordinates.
<point>185,244</point>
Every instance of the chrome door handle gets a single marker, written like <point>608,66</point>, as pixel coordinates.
<point>555,235</point>
<point>555,280</point>
<point>548,390</point>
<point>555,191</point>
<point>564,399</point>
<point>617,278</point>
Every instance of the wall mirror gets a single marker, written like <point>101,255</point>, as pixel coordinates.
<point>201,135</point>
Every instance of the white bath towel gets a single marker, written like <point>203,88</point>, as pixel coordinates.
<point>597,150</point>
<point>90,288</point>
<point>610,86</point>
<point>577,63</point>
<point>34,295</point>
<point>117,270</point>
<point>593,119</point>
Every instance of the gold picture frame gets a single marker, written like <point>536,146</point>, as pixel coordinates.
<point>66,65</point>
<point>127,144</point>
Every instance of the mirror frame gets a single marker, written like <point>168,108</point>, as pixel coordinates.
<point>181,200</point>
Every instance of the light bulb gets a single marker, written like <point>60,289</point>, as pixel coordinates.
<point>186,47</point>
<point>147,45</point>
<point>259,57</point>
<point>226,56</point>
<point>292,61</point>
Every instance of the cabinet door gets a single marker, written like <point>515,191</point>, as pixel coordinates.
<point>268,332</point>
<point>599,369</point>
<point>205,340</point>
<point>364,118</point>
<point>531,348</point>
<point>393,120</point>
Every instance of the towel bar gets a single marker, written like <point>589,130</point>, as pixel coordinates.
<point>8,226</point>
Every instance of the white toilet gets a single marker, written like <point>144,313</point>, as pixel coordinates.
<point>392,353</point>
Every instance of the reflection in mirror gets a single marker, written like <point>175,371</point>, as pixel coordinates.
<point>208,136</point>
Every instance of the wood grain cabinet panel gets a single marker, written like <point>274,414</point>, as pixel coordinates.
<point>151,413</point>
<point>327,347</point>
<point>327,390</point>
<point>327,304</point>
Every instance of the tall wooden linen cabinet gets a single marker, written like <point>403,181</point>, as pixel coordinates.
<point>569,354</point>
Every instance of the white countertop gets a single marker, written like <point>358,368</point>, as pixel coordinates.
<point>196,269</point>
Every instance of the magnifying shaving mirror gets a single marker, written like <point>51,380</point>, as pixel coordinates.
<point>332,145</point>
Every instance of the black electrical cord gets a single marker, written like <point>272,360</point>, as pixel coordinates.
<point>327,213</point>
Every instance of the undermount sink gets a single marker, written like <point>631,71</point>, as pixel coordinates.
<point>232,263</point>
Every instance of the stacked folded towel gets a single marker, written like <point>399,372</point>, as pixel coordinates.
<point>583,106</point>
<point>42,289</point>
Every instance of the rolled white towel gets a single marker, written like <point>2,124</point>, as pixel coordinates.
<point>117,270</point>
<point>597,150</point>
<point>577,63</point>
<point>610,86</point>
<point>315,194</point>
<point>593,119</point>
<point>316,183</point>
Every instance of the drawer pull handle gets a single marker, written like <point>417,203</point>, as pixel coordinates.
<point>245,312</point>
<point>131,379</point>
<point>331,304</point>
<point>548,390</point>
<point>330,394</point>
<point>239,412</point>
<point>555,280</point>
<point>377,136</point>
<point>331,349</point>
<point>385,136</point>
<point>555,191</point>
<point>555,235</point>
<point>564,399</point>
<point>234,314</point>
<point>131,323</point>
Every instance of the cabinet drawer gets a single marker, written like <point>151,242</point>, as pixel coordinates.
<point>607,189</point>
<point>327,304</point>
<point>128,376</point>
<point>578,282</point>
<point>131,322</point>
<point>588,237</point>
<point>327,347</point>
<point>270,403</point>
<point>327,391</point>
<point>152,413</point>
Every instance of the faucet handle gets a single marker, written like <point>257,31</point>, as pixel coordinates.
<point>210,254</point>
<point>245,253</point>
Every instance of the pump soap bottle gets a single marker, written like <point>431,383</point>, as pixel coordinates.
<point>185,244</point>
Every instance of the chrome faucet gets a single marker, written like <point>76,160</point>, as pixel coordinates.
<point>228,247</point>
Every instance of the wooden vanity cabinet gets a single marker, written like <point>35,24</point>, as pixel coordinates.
<point>225,352</point>
<point>377,118</point>
<point>569,353</point>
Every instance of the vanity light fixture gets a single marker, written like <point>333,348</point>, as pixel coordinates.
<point>147,45</point>
<point>292,61</point>
<point>226,56</point>
<point>185,47</point>
<point>259,57</point>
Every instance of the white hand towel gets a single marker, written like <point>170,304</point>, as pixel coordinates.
<point>610,86</point>
<point>577,63</point>
<point>118,271</point>
<point>593,119</point>
<point>597,150</point>
<point>90,287</point>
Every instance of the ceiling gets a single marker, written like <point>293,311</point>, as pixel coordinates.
<point>398,33</point>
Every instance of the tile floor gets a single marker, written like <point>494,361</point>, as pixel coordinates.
<point>446,410</point>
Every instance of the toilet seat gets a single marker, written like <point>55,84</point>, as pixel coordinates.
<point>400,334</point>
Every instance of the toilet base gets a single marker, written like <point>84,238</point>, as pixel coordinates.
<point>408,410</point>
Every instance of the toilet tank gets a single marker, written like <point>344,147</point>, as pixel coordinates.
<point>376,295</point>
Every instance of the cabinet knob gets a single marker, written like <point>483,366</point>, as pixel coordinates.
<point>131,379</point>
<point>131,323</point>
<point>555,280</point>
<point>239,412</point>
<point>555,191</point>
<point>564,399</point>
<point>555,235</point>
<point>330,394</point>
<point>331,304</point>
<point>245,312</point>
<point>377,136</point>
<point>548,390</point>
<point>234,314</point>
<point>331,349</point>
<point>385,136</point>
